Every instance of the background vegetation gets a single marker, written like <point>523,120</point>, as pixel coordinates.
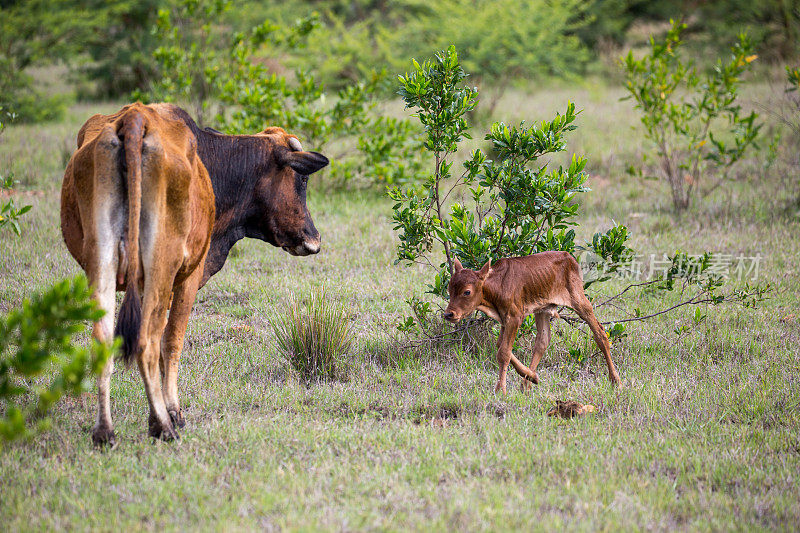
<point>703,432</point>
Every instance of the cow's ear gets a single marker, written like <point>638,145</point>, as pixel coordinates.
<point>306,163</point>
<point>485,270</point>
<point>457,265</point>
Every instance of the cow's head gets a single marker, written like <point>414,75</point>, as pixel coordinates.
<point>280,196</point>
<point>466,290</point>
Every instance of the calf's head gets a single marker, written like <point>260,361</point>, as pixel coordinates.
<point>280,197</point>
<point>466,290</point>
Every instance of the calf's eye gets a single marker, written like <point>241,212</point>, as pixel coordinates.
<point>467,293</point>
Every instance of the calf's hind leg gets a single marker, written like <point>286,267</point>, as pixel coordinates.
<point>583,307</point>
<point>539,347</point>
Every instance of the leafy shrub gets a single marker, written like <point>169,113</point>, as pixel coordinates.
<point>693,121</point>
<point>35,32</point>
<point>39,340</point>
<point>238,86</point>
<point>315,339</point>
<point>9,213</point>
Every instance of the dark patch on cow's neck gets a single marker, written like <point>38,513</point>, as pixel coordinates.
<point>234,164</point>
<point>221,245</point>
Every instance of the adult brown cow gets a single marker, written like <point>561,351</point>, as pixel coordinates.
<point>138,214</point>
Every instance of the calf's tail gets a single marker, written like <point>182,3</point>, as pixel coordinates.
<point>130,314</point>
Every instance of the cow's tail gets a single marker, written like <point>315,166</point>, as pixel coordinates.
<point>130,314</point>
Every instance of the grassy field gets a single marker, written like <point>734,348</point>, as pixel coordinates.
<point>704,432</point>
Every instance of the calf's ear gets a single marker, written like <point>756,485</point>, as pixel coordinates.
<point>306,163</point>
<point>485,270</point>
<point>457,266</point>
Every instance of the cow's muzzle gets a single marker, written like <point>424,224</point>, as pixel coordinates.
<point>307,248</point>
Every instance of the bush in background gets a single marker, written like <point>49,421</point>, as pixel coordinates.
<point>34,33</point>
<point>237,90</point>
<point>9,212</point>
<point>120,47</point>
<point>500,42</point>
<point>316,338</point>
<point>694,122</point>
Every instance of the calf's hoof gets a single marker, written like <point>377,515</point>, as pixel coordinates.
<point>104,437</point>
<point>177,418</point>
<point>615,381</point>
<point>528,383</point>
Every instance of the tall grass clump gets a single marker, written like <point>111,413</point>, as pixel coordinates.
<point>315,338</point>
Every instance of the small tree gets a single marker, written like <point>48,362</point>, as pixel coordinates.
<point>513,206</point>
<point>694,121</point>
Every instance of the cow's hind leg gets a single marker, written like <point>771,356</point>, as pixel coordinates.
<point>101,248</point>
<point>103,331</point>
<point>155,305</point>
<point>172,343</point>
<point>583,307</point>
<point>539,347</point>
<point>161,255</point>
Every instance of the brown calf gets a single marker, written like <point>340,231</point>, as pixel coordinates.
<point>137,211</point>
<point>516,287</point>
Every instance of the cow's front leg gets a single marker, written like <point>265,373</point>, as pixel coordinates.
<point>172,343</point>
<point>508,333</point>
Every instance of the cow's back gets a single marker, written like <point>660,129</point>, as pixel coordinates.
<point>176,188</point>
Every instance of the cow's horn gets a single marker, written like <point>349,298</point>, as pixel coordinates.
<point>295,144</point>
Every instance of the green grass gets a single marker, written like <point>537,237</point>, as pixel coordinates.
<point>703,433</point>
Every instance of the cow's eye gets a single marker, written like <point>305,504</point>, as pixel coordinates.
<point>467,292</point>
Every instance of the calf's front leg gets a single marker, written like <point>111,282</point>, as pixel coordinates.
<point>508,332</point>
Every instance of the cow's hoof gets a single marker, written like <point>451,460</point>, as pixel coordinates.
<point>163,432</point>
<point>103,437</point>
<point>157,430</point>
<point>177,418</point>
